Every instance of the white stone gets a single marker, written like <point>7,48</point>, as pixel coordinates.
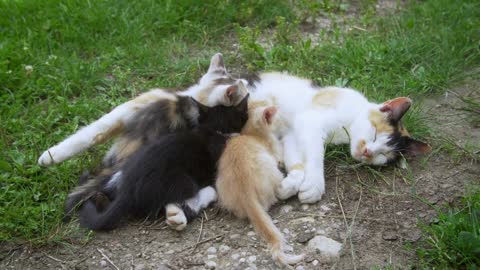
<point>234,236</point>
<point>286,208</point>
<point>169,252</point>
<point>305,207</point>
<point>211,256</point>
<point>286,231</point>
<point>103,263</point>
<point>251,233</point>
<point>235,256</point>
<point>315,262</point>
<point>300,267</point>
<point>325,245</point>
<point>211,265</point>
<point>325,208</point>
<point>211,250</point>
<point>275,221</point>
<point>242,260</point>
<point>224,248</point>
<point>252,259</point>
<point>140,266</point>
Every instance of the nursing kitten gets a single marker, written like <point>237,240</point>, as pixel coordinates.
<point>248,178</point>
<point>214,88</point>
<point>168,172</point>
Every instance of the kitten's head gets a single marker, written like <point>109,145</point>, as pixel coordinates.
<point>218,87</point>
<point>382,139</point>
<point>261,119</point>
<point>221,118</point>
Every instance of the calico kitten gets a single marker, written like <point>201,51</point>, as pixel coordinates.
<point>216,87</point>
<point>248,178</point>
<point>168,171</point>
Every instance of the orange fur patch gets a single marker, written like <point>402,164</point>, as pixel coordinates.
<point>114,130</point>
<point>380,122</point>
<point>360,146</point>
<point>403,130</point>
<point>126,148</point>
<point>297,166</point>
<point>325,98</point>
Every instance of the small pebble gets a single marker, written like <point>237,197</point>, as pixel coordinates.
<point>235,256</point>
<point>325,208</point>
<point>305,207</point>
<point>251,233</point>
<point>315,262</point>
<point>211,265</point>
<point>286,231</point>
<point>169,252</point>
<point>140,266</point>
<point>211,256</point>
<point>389,236</point>
<point>275,221</point>
<point>286,208</point>
<point>300,267</point>
<point>103,263</point>
<point>224,248</point>
<point>242,260</point>
<point>234,236</point>
<point>211,250</point>
<point>252,259</point>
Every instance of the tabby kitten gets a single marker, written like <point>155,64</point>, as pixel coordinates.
<point>169,171</point>
<point>248,178</point>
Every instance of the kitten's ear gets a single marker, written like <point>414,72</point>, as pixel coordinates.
<point>268,114</point>
<point>216,64</point>
<point>416,147</point>
<point>243,105</point>
<point>396,107</point>
<point>201,108</point>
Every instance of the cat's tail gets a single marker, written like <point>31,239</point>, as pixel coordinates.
<point>87,187</point>
<point>91,217</point>
<point>263,224</point>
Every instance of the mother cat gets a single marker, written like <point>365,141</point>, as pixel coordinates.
<point>313,116</point>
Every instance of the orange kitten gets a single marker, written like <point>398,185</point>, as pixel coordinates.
<point>248,178</point>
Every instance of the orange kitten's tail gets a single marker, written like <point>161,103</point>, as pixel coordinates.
<point>263,224</point>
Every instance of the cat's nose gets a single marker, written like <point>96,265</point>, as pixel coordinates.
<point>366,153</point>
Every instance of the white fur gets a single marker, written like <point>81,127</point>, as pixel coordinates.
<point>205,196</point>
<point>315,125</point>
<point>176,219</point>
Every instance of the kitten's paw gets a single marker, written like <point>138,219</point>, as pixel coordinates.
<point>176,218</point>
<point>311,191</point>
<point>52,156</point>
<point>290,185</point>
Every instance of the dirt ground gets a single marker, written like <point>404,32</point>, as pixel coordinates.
<point>373,217</point>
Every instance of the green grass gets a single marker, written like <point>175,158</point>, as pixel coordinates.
<point>453,242</point>
<point>88,56</point>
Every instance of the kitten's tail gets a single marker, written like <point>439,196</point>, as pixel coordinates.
<point>87,187</point>
<point>109,219</point>
<point>263,224</point>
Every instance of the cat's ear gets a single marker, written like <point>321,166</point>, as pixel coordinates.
<point>231,93</point>
<point>416,147</point>
<point>243,105</point>
<point>216,64</point>
<point>396,107</point>
<point>201,108</point>
<point>269,114</point>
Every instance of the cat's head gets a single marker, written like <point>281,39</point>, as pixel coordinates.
<point>382,139</point>
<point>261,119</point>
<point>221,118</point>
<point>218,87</point>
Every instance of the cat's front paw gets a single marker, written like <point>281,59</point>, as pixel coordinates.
<point>52,156</point>
<point>290,185</point>
<point>311,190</point>
<point>176,218</point>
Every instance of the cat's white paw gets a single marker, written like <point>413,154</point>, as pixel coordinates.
<point>52,156</point>
<point>290,185</point>
<point>176,218</point>
<point>311,190</point>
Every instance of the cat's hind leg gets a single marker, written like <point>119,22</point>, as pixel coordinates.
<point>178,215</point>
<point>101,130</point>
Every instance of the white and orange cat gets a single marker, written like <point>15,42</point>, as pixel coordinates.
<point>248,177</point>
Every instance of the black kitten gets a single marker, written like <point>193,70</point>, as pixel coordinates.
<point>170,170</point>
